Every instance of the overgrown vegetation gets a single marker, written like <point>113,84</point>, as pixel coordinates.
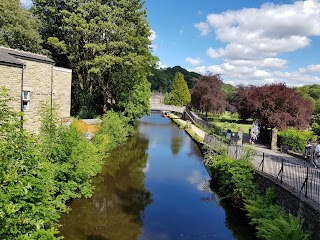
<point>235,179</point>
<point>40,174</point>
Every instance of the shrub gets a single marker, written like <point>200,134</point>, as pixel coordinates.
<point>271,220</point>
<point>235,179</point>
<point>295,139</point>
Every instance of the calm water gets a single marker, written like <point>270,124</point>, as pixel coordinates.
<point>155,187</point>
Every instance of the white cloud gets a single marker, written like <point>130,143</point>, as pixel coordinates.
<point>255,37</point>
<point>236,74</point>
<point>194,62</point>
<point>153,35</point>
<point>255,33</point>
<point>161,66</point>
<point>310,69</point>
<point>204,28</point>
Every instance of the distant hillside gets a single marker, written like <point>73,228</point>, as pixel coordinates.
<point>162,79</point>
<point>311,92</point>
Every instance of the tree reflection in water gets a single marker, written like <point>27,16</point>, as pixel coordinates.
<point>115,210</point>
<point>176,143</point>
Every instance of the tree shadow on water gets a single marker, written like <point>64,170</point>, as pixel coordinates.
<point>134,201</point>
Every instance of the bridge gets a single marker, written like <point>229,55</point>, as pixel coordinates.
<point>163,107</point>
<point>156,104</point>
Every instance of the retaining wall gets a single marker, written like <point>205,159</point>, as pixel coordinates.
<point>294,203</point>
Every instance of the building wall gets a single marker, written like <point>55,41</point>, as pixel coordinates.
<point>37,80</point>
<point>62,90</point>
<point>10,77</point>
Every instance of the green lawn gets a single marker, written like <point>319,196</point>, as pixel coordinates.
<point>233,126</point>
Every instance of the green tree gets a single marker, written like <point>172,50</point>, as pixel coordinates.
<point>106,43</point>
<point>18,27</point>
<point>27,207</point>
<point>180,94</point>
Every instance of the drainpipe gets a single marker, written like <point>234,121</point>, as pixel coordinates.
<point>21,102</point>
<point>51,100</point>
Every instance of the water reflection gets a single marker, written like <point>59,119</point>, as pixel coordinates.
<point>176,142</point>
<point>115,209</point>
<point>154,187</point>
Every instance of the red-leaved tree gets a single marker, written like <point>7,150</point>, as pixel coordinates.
<point>276,106</point>
<point>207,95</point>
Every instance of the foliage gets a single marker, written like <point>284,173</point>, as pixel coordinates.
<point>27,207</point>
<point>114,131</point>
<point>105,42</point>
<point>207,95</point>
<point>137,103</point>
<point>312,93</point>
<point>39,174</point>
<point>296,140</point>
<point>229,91</point>
<point>316,124</point>
<point>271,221</point>
<point>167,97</point>
<point>180,95</point>
<point>18,27</point>
<point>161,79</point>
<point>275,106</point>
<point>234,178</point>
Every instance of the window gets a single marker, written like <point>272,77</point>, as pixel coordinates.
<point>25,100</point>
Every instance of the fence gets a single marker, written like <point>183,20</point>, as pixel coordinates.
<point>301,178</point>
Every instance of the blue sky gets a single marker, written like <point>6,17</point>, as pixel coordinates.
<point>245,41</point>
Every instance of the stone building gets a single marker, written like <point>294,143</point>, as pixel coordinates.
<point>33,79</point>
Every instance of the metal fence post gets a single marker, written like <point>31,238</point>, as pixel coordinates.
<point>306,181</point>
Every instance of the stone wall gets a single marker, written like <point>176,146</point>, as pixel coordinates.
<point>37,80</point>
<point>42,80</point>
<point>10,77</point>
<point>62,90</point>
<point>294,203</point>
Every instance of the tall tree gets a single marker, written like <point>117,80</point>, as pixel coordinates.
<point>276,106</point>
<point>18,27</point>
<point>180,94</point>
<point>106,43</point>
<point>207,94</point>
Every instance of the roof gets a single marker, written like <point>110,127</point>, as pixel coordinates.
<point>92,121</point>
<point>12,56</point>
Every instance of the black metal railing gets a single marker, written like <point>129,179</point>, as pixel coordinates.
<point>301,178</point>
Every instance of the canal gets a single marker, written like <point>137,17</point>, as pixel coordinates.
<point>154,187</point>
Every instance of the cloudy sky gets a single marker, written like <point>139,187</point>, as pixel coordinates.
<point>246,41</point>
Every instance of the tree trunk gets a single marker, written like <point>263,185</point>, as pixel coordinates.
<point>274,139</point>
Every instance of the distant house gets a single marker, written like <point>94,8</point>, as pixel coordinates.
<point>33,79</point>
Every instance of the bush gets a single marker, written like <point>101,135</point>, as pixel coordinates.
<point>39,174</point>
<point>235,179</point>
<point>271,220</point>
<point>295,139</point>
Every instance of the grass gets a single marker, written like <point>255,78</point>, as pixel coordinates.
<point>233,126</point>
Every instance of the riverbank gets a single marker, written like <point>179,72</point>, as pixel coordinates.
<point>254,201</point>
